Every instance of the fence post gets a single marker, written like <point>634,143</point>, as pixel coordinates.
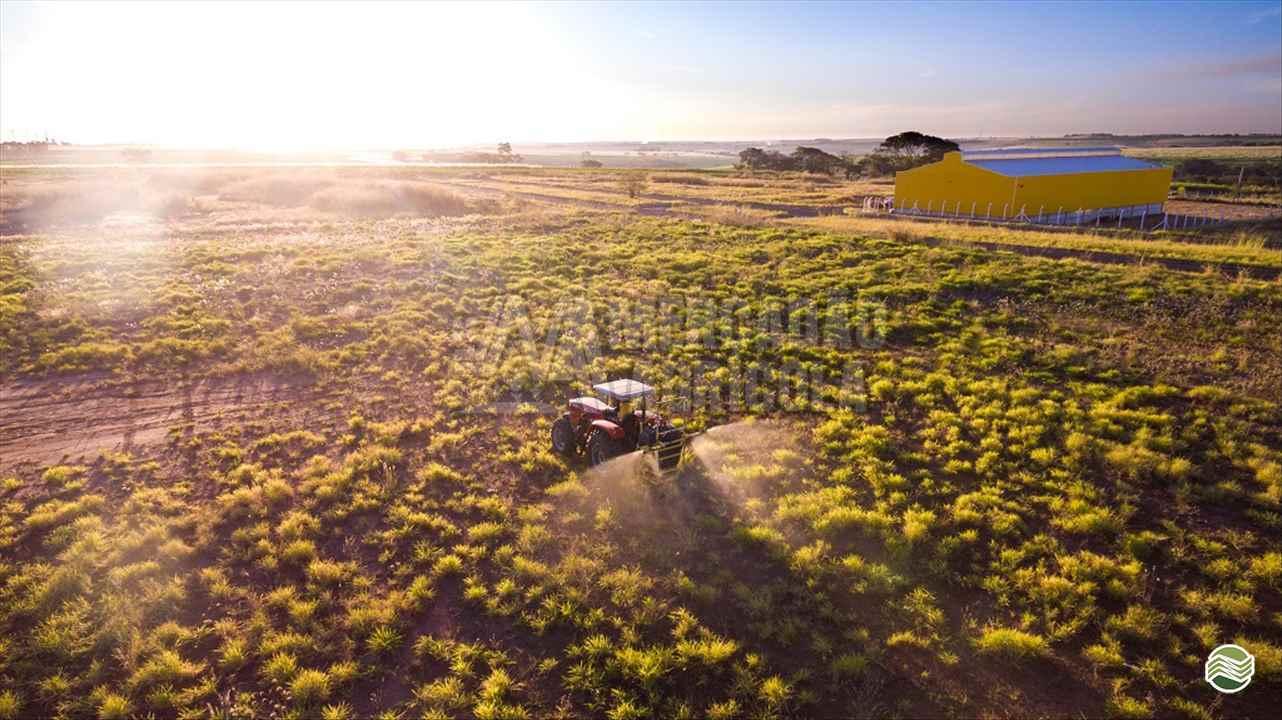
<point>1143,217</point>
<point>989,213</point>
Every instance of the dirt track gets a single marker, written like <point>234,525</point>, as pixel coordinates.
<point>51,421</point>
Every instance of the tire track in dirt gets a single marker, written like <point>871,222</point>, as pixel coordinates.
<point>53,421</point>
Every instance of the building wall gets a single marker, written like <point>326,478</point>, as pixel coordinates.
<point>951,182</point>
<point>1090,191</point>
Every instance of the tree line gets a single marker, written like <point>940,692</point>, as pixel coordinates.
<point>897,152</point>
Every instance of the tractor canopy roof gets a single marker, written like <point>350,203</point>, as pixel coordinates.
<point>624,389</point>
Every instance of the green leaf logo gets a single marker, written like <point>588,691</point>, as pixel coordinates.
<point>1229,668</point>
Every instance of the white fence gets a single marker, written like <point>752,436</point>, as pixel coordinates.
<point>1144,217</point>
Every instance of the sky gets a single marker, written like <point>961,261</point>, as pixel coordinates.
<point>382,75</point>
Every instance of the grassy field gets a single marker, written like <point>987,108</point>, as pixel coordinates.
<point>1240,246</point>
<point>276,444</point>
<point>1175,154</point>
<point>797,189</point>
<point>1259,188</point>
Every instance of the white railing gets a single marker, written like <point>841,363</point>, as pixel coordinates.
<point>1147,217</point>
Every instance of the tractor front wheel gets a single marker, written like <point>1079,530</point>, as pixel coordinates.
<point>563,435</point>
<point>602,447</point>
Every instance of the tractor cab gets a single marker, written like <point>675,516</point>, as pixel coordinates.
<point>619,421</point>
<point>628,400</point>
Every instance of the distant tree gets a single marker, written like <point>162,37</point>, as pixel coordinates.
<point>136,154</point>
<point>401,156</point>
<point>505,154</point>
<point>910,149</point>
<point>758,159</point>
<point>752,159</point>
<point>814,160</point>
<point>590,163</point>
<point>854,166</point>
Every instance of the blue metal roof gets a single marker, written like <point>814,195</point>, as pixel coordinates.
<point>1026,167</point>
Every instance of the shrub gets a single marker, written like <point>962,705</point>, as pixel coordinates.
<point>383,640</point>
<point>326,572</point>
<point>448,565</point>
<point>60,476</point>
<point>645,666</point>
<point>309,687</point>
<point>447,693</point>
<point>165,667</point>
<point>708,651</point>
<point>86,356</point>
<point>114,707</point>
<point>1011,644</point>
<point>10,705</point>
<point>1266,568</point>
<point>724,710</point>
<point>280,668</point>
<point>233,654</point>
<point>624,709</point>
<point>340,711</point>
<point>341,673</point>
<point>773,691</point>
<point>1268,657</point>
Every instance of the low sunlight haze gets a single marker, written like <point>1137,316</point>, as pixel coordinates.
<point>305,76</point>
<point>684,360</point>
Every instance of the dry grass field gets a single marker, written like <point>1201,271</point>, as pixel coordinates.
<point>274,443</point>
<point>1223,152</point>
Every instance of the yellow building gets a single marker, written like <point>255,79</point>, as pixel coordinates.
<point>1059,185</point>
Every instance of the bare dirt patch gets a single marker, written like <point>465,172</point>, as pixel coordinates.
<point>59,420</point>
<point>1222,210</point>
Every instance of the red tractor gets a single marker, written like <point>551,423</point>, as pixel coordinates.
<point>620,423</point>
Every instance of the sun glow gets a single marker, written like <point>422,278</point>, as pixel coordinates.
<point>300,77</point>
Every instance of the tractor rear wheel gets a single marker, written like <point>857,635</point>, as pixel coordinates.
<point>602,447</point>
<point>563,435</point>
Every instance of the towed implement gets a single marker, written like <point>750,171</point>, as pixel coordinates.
<point>616,423</point>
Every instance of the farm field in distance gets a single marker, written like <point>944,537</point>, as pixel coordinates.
<point>274,443</point>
